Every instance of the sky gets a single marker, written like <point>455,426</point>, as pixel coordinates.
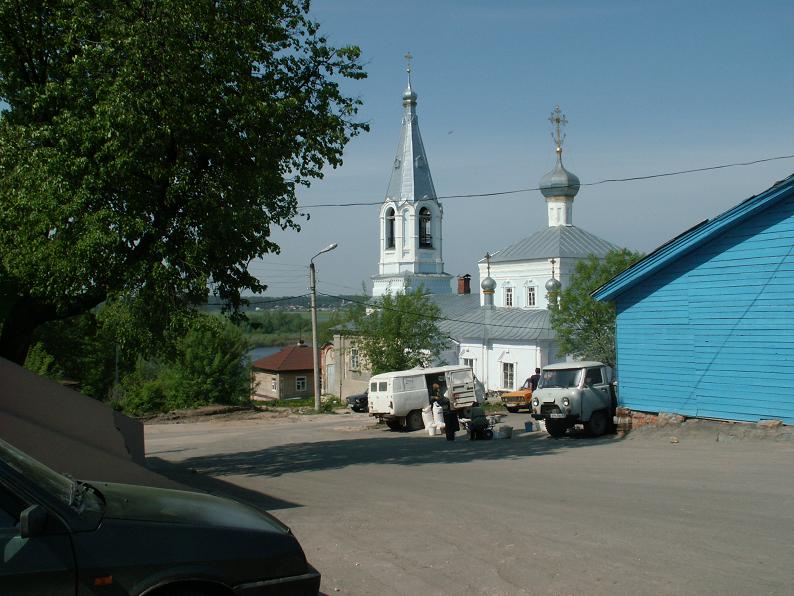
<point>647,87</point>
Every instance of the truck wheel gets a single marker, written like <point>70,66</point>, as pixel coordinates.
<point>413,421</point>
<point>393,424</point>
<point>598,425</point>
<point>556,428</point>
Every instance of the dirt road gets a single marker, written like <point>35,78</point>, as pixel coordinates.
<point>404,513</point>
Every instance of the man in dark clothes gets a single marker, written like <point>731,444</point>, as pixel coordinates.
<point>451,424</point>
<point>535,379</point>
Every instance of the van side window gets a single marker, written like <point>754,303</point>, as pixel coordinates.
<point>382,386</point>
<point>594,376</point>
<point>409,383</point>
<point>397,385</point>
<point>373,387</point>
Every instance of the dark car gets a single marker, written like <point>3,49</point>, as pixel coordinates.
<point>64,536</point>
<point>358,402</point>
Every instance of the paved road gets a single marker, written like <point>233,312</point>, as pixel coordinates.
<point>404,513</point>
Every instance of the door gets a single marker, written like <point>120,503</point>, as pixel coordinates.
<point>461,384</point>
<point>35,566</point>
<point>595,394</point>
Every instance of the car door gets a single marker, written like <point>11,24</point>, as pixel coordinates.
<point>39,565</point>
<point>596,392</point>
<point>461,385</point>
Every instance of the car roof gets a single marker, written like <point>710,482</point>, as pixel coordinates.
<point>570,365</point>
<point>436,370</point>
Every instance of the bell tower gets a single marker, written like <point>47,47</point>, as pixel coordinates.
<point>410,230</point>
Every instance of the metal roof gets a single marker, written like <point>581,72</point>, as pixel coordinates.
<point>463,318</point>
<point>696,236</point>
<point>555,242</point>
<point>410,177</point>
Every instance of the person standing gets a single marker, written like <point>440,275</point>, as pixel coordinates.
<point>451,423</point>
<point>535,379</point>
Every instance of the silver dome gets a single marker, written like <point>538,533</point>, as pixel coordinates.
<point>488,284</point>
<point>553,285</point>
<point>559,182</point>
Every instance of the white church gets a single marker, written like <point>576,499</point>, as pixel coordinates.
<point>503,332</point>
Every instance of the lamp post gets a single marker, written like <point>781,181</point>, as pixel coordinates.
<point>315,354</point>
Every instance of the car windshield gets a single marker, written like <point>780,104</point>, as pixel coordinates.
<point>76,495</point>
<point>527,384</point>
<point>565,379</point>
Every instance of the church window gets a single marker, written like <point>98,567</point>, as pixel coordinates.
<point>425,235</point>
<point>390,228</point>
<point>508,375</point>
<point>469,362</point>
<point>531,296</point>
<point>509,297</point>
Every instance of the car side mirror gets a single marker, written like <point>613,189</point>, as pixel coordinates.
<point>32,521</point>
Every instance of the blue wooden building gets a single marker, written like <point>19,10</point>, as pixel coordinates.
<point>705,323</point>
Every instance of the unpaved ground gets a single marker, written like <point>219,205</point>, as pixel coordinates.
<point>404,513</point>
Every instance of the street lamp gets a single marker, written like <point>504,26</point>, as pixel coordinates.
<point>315,354</point>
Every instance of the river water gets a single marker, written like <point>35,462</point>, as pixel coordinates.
<point>262,351</point>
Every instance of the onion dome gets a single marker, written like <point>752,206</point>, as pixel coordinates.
<point>488,285</point>
<point>559,182</point>
<point>409,95</point>
<point>553,285</point>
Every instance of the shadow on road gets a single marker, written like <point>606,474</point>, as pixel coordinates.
<point>185,473</point>
<point>401,449</point>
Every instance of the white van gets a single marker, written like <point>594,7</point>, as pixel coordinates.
<point>397,398</point>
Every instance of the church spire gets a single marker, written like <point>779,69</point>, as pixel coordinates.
<point>410,177</point>
<point>559,186</point>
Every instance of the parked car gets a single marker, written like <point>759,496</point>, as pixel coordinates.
<point>520,398</point>
<point>65,536</point>
<point>573,393</point>
<point>358,402</point>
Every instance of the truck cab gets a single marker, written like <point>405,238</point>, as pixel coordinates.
<point>571,393</point>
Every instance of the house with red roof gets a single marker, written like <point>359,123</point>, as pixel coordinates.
<point>285,374</point>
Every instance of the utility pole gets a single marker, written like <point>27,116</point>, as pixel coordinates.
<point>315,350</point>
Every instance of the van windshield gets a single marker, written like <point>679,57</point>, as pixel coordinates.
<point>561,378</point>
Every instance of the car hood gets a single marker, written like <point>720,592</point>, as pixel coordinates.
<point>518,393</point>
<point>145,503</point>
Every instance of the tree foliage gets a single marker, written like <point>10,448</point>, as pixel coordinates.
<point>149,147</point>
<point>208,366</point>
<point>586,328</point>
<point>398,332</point>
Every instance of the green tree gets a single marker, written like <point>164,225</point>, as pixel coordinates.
<point>586,328</point>
<point>208,367</point>
<point>148,147</point>
<point>398,332</point>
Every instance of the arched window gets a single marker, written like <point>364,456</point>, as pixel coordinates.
<point>390,228</point>
<point>425,235</point>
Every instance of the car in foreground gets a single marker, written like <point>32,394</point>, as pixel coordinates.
<point>358,402</point>
<point>65,536</point>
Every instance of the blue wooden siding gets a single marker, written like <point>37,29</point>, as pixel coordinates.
<point>712,334</point>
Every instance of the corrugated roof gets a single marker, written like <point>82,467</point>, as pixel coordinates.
<point>463,318</point>
<point>291,358</point>
<point>555,242</point>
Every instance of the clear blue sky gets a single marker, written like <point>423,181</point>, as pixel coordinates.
<point>647,87</point>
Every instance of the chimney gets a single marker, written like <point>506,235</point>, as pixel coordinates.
<point>464,284</point>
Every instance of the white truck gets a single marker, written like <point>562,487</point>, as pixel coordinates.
<point>571,393</point>
<point>397,398</point>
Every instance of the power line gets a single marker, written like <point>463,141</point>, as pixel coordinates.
<point>605,181</point>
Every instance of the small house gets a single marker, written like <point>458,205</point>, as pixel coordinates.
<point>705,323</point>
<point>285,374</point>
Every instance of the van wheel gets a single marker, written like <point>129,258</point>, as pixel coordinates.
<point>556,428</point>
<point>393,424</point>
<point>598,425</point>
<point>413,421</point>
